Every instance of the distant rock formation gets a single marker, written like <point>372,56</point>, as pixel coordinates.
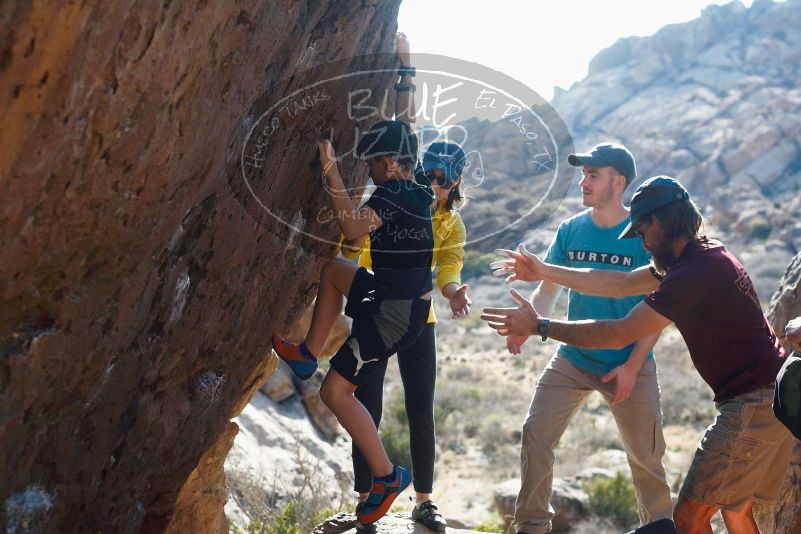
<point>137,297</point>
<point>785,305</point>
<point>715,102</point>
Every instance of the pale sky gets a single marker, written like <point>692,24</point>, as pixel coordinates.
<point>542,43</point>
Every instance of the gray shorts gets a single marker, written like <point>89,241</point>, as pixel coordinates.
<point>743,456</point>
<point>380,328</point>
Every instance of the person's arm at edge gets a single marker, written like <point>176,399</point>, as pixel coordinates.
<point>351,248</point>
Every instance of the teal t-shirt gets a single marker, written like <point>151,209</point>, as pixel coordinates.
<point>580,243</point>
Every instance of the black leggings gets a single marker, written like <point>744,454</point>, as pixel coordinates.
<point>418,369</point>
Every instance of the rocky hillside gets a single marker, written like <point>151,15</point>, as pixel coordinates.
<point>714,102</point>
<point>137,296</point>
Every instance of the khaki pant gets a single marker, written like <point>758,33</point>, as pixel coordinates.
<point>560,392</point>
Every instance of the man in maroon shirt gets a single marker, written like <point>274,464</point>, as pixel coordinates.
<point>697,284</point>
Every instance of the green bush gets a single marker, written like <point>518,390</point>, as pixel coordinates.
<point>294,518</point>
<point>395,430</point>
<point>490,526</point>
<point>396,443</point>
<point>613,498</point>
<point>759,228</point>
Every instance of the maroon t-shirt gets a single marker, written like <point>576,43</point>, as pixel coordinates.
<point>712,301</point>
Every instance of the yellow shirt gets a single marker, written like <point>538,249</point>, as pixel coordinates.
<point>449,241</point>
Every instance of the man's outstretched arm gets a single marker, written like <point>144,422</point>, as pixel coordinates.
<point>543,298</point>
<point>641,322</point>
<point>523,265</point>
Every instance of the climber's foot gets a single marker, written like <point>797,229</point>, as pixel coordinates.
<point>385,490</point>
<point>298,357</point>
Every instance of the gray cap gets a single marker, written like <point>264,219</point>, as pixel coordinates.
<point>607,155</point>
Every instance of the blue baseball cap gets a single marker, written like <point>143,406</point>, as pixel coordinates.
<point>445,156</point>
<point>653,194</point>
<point>608,155</point>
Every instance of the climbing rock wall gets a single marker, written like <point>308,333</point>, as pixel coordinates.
<point>137,292</point>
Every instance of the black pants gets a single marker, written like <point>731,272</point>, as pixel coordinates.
<point>418,369</point>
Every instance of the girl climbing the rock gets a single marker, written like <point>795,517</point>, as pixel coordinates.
<point>389,305</point>
<point>442,163</point>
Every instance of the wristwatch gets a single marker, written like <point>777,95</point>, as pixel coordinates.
<point>543,327</point>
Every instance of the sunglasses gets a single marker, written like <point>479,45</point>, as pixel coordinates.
<point>443,181</point>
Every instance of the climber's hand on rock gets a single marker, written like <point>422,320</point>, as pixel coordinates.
<point>403,49</point>
<point>328,158</point>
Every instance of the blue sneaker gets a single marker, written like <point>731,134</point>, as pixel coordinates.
<point>383,495</point>
<point>302,365</point>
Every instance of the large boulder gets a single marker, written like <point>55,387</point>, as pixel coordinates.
<point>568,500</point>
<point>785,517</point>
<point>137,294</point>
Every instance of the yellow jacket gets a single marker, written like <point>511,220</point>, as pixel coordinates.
<point>449,241</point>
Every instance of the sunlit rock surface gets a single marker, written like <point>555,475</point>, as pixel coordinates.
<point>137,296</point>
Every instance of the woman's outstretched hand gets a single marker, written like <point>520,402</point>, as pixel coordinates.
<point>520,265</point>
<point>403,49</point>
<point>460,302</point>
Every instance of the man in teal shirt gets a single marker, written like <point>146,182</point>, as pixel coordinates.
<point>626,378</point>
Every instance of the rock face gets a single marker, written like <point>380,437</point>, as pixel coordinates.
<point>137,297</point>
<point>785,305</point>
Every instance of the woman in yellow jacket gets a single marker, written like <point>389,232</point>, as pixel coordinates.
<point>443,164</point>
